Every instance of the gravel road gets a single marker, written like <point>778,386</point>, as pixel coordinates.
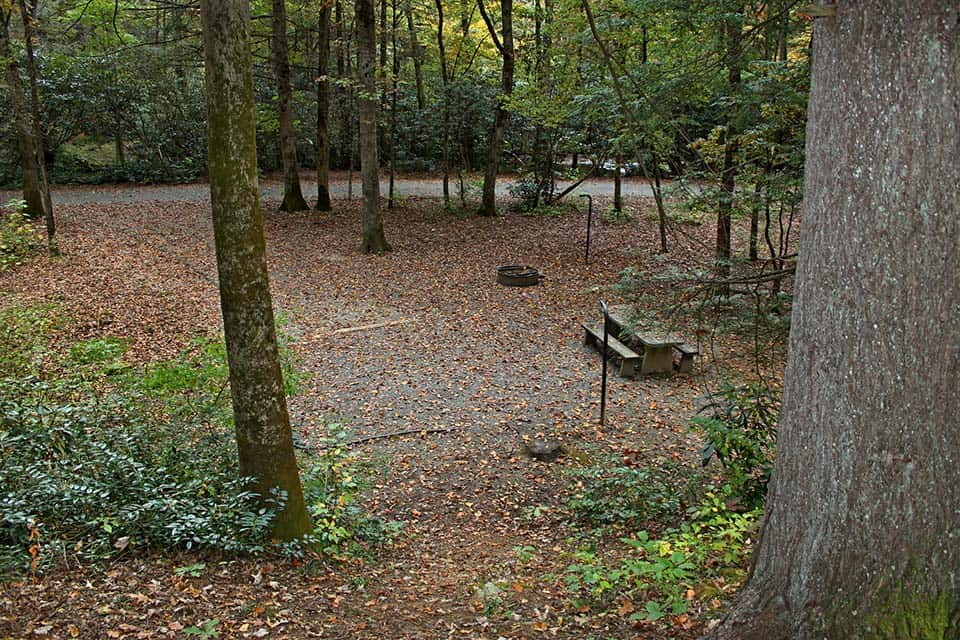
<point>273,189</point>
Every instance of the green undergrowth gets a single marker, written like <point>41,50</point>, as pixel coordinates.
<point>104,458</point>
<point>20,238</point>
<point>666,541</point>
<point>664,575</point>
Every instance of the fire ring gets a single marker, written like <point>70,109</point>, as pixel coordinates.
<point>518,275</point>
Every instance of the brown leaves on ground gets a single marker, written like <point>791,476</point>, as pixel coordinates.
<point>434,343</point>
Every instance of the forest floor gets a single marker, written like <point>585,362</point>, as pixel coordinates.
<point>420,339</point>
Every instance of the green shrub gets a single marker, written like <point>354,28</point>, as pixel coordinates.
<point>23,334</point>
<point>627,496</point>
<point>94,466</point>
<point>698,560</point>
<point>97,476</point>
<point>741,431</point>
<point>19,238</point>
<point>332,485</point>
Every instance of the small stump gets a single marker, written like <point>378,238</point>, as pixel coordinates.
<point>543,450</point>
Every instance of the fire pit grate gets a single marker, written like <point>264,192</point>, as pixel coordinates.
<point>518,275</point>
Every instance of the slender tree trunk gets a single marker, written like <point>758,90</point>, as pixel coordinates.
<point>755,222</point>
<point>293,199</point>
<point>342,47</point>
<point>728,176</point>
<point>384,108</point>
<point>617,186</point>
<point>323,109</point>
<point>445,110</point>
<point>36,115</point>
<point>374,240</point>
<point>416,54</point>
<point>859,538</point>
<point>32,193</point>
<point>658,199</point>
<point>264,437</point>
<point>394,78</point>
<point>502,116</point>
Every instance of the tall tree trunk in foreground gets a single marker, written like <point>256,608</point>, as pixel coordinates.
<point>32,193</point>
<point>374,240</point>
<point>860,534</point>
<point>264,438</point>
<point>292,195</point>
<point>323,108</point>
<point>505,46</point>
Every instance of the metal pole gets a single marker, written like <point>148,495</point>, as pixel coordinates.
<point>603,382</point>
<point>586,255</point>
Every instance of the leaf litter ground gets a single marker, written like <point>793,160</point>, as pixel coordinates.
<point>422,340</point>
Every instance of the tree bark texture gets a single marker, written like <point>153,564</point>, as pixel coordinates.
<point>502,116</point>
<point>36,115</point>
<point>264,438</point>
<point>293,199</point>
<point>323,109</point>
<point>861,537</point>
<point>374,240</point>
<point>32,193</point>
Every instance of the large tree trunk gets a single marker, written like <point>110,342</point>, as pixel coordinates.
<point>860,534</point>
<point>323,109</point>
<point>264,438</point>
<point>374,240</point>
<point>32,193</point>
<point>502,116</point>
<point>292,195</point>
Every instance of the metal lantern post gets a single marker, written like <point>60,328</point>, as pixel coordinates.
<point>586,254</point>
<point>603,380</point>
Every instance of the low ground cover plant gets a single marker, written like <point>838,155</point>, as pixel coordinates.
<point>102,459</point>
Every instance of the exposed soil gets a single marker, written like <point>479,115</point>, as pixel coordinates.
<point>422,338</point>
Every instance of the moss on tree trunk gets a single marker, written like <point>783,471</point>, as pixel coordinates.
<point>264,438</point>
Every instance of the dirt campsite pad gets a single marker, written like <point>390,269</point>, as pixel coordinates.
<point>421,341</point>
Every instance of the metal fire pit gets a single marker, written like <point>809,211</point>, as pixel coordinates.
<point>518,275</point>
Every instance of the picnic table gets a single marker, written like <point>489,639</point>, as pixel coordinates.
<point>655,347</point>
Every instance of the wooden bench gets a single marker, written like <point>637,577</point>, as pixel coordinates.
<point>627,356</point>
<point>687,354</point>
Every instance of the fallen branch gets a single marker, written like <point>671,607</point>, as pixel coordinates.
<point>376,325</point>
<point>393,434</point>
<point>758,279</point>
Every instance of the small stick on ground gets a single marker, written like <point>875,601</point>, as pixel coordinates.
<point>405,432</point>
<point>376,325</point>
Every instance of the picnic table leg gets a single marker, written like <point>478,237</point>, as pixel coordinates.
<point>657,360</point>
